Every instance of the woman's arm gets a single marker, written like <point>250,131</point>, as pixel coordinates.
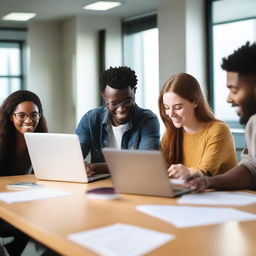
<point>180,171</point>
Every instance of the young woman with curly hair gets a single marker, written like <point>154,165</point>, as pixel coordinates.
<point>21,112</point>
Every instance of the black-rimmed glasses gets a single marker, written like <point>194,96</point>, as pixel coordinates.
<point>125,103</point>
<point>21,116</point>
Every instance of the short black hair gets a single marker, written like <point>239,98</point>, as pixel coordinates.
<point>242,61</point>
<point>118,78</point>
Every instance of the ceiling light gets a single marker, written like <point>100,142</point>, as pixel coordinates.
<point>19,16</point>
<point>102,5</point>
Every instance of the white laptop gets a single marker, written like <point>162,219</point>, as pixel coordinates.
<point>58,157</point>
<point>141,172</point>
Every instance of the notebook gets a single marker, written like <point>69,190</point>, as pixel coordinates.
<point>58,157</point>
<point>141,172</point>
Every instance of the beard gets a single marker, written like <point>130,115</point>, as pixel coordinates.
<point>249,109</point>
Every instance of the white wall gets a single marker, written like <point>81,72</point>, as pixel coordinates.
<point>172,40</point>
<point>68,39</point>
<point>87,57</point>
<point>45,70</point>
<point>182,40</point>
<point>195,41</point>
<point>63,67</point>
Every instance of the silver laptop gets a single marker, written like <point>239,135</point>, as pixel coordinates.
<point>141,172</point>
<point>58,157</point>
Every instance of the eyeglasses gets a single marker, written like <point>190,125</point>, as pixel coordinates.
<point>125,103</point>
<point>21,116</point>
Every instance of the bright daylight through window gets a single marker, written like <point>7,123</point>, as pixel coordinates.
<point>10,68</point>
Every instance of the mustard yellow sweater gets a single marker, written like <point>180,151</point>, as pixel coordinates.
<point>211,150</point>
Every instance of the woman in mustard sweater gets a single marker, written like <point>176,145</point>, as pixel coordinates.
<point>194,140</point>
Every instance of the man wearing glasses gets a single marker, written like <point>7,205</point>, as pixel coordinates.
<point>120,123</point>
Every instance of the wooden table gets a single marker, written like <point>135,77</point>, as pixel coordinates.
<point>50,221</point>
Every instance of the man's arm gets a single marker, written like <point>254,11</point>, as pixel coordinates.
<point>238,177</point>
<point>150,135</point>
<point>95,168</point>
<point>83,132</point>
<point>100,168</point>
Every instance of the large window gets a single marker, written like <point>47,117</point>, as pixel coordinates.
<point>232,23</point>
<point>12,61</point>
<point>11,78</point>
<point>225,39</point>
<point>141,54</point>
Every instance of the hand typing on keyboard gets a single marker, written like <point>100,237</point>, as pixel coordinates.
<point>88,168</point>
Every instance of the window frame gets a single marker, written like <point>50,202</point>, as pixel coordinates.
<point>236,128</point>
<point>209,55</point>
<point>19,36</point>
<point>135,25</point>
<point>21,60</point>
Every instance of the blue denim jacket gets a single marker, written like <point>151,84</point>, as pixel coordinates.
<point>94,132</point>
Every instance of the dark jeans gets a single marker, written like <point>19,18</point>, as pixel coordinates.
<point>19,242</point>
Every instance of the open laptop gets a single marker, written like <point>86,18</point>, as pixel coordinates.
<point>58,157</point>
<point>141,172</point>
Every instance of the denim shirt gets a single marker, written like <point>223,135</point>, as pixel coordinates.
<point>94,132</point>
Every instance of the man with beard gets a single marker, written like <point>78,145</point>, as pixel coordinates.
<point>120,123</point>
<point>241,82</point>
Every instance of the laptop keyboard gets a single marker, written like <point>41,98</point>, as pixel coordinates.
<point>98,177</point>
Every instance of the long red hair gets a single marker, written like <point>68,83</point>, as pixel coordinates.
<point>188,88</point>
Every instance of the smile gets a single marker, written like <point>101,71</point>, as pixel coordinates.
<point>28,126</point>
<point>121,116</point>
<point>176,120</point>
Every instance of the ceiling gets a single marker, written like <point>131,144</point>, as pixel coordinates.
<point>62,9</point>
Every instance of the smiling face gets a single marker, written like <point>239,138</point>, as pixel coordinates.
<point>179,110</point>
<point>120,103</point>
<point>241,95</point>
<point>28,125</point>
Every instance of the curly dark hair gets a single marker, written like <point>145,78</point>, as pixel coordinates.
<point>243,60</point>
<point>7,129</point>
<point>118,78</point>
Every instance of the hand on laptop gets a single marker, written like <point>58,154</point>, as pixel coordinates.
<point>178,171</point>
<point>96,168</point>
<point>89,169</point>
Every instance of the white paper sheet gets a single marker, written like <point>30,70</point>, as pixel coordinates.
<point>30,195</point>
<point>218,198</point>
<point>121,239</point>
<point>177,181</point>
<point>188,216</point>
